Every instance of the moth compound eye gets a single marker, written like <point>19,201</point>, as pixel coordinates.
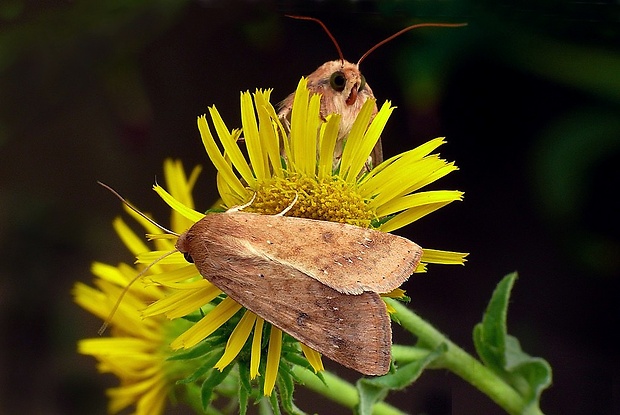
<point>337,81</point>
<point>362,83</point>
<point>188,257</point>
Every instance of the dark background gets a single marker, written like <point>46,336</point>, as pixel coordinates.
<point>528,96</point>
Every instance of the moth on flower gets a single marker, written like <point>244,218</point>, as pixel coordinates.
<point>236,295</point>
<point>344,91</point>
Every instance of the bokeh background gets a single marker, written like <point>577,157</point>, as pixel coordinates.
<point>528,96</point>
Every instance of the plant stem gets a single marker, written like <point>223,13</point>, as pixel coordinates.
<point>463,364</point>
<point>339,390</point>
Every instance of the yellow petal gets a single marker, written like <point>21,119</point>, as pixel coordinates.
<point>353,149</point>
<point>207,325</point>
<point>256,347</point>
<point>237,340</point>
<point>231,147</point>
<point>217,158</point>
<point>327,144</point>
<point>181,303</point>
<point>418,199</point>
<point>435,256</point>
<point>188,212</point>
<point>273,360</point>
<point>252,137</point>
<point>313,357</point>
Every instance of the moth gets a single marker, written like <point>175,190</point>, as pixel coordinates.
<point>318,281</point>
<point>344,90</point>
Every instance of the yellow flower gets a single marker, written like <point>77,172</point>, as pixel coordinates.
<point>386,198</point>
<point>138,348</point>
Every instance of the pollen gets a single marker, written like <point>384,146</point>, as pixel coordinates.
<point>331,199</point>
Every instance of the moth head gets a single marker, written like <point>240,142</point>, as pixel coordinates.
<point>341,81</point>
<point>182,245</point>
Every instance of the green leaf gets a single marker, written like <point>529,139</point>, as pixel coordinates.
<point>202,369</point>
<point>215,378</point>
<point>373,390</point>
<point>202,349</point>
<point>245,388</point>
<point>275,405</point>
<point>286,387</point>
<point>502,353</point>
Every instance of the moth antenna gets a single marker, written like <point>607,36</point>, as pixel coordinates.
<point>290,206</point>
<point>107,321</point>
<point>406,29</point>
<point>130,206</point>
<point>313,19</point>
<point>241,207</point>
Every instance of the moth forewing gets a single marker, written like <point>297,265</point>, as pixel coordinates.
<point>347,258</point>
<point>318,281</point>
<point>351,330</point>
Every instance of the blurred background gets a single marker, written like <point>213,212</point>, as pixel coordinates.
<point>528,96</point>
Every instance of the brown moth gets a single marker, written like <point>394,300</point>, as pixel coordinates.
<point>317,281</point>
<point>344,90</point>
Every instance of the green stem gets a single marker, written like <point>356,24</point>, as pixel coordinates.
<point>339,390</point>
<point>463,364</point>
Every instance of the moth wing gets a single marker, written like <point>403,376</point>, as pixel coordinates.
<point>353,330</point>
<point>347,258</point>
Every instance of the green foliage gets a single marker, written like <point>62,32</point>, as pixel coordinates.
<point>502,353</point>
<point>373,390</point>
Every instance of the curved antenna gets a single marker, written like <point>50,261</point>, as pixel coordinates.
<point>312,19</point>
<point>406,29</point>
<point>108,319</point>
<point>129,205</point>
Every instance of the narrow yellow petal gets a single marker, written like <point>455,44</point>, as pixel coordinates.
<point>268,132</point>
<point>412,155</point>
<point>181,303</point>
<point>252,137</point>
<point>435,256</point>
<point>299,115</point>
<point>207,325</point>
<point>217,158</point>
<point>228,194</point>
<point>180,188</point>
<point>273,360</point>
<point>363,148</point>
<point>176,277</point>
<point>404,176</point>
<point>134,243</point>
<point>149,257</point>
<point>237,340</point>
<point>327,144</point>
<point>409,216</point>
<point>352,148</point>
<point>188,212</point>
<point>418,199</point>
<point>313,357</point>
<point>256,347</point>
<point>306,157</point>
<point>395,293</point>
<point>231,147</point>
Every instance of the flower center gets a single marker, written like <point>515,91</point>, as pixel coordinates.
<point>330,199</point>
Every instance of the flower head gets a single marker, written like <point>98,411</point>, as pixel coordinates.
<point>283,170</point>
<point>137,350</point>
<point>386,198</point>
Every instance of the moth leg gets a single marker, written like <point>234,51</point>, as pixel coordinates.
<point>289,207</point>
<point>241,207</point>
